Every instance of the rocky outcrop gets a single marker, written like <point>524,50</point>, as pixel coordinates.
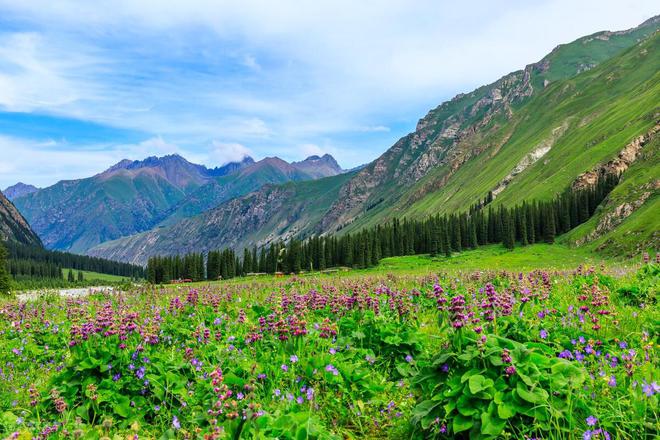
<point>13,227</point>
<point>619,213</point>
<point>619,164</point>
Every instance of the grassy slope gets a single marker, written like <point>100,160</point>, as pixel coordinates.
<point>565,100</point>
<point>605,108</point>
<point>641,230</point>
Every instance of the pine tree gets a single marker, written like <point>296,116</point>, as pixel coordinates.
<point>524,241</point>
<point>549,224</point>
<point>81,277</point>
<point>508,229</point>
<point>70,278</point>
<point>5,283</point>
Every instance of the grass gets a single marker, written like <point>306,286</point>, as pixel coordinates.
<point>492,257</point>
<point>89,275</point>
<point>495,257</point>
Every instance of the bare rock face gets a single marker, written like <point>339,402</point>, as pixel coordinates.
<point>618,165</point>
<point>614,218</point>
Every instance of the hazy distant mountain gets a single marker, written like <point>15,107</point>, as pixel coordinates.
<point>20,189</point>
<point>527,136</point>
<point>134,196</point>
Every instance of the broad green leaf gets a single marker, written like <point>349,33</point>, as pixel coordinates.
<point>491,424</point>
<point>461,423</point>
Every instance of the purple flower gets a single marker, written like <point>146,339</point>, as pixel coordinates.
<point>333,351</point>
<point>293,358</point>
<point>175,423</point>
<point>647,390</point>
<point>330,368</point>
<point>612,381</point>
<point>277,392</point>
<point>444,368</point>
<point>543,334</point>
<point>240,396</point>
<point>300,399</point>
<point>409,359</point>
<point>285,368</point>
<point>591,421</point>
<point>116,377</point>
<point>140,372</point>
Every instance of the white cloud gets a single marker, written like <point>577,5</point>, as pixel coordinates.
<point>272,75</point>
<point>311,150</point>
<point>223,153</point>
<point>373,128</point>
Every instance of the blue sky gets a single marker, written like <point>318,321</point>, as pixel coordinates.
<point>86,84</point>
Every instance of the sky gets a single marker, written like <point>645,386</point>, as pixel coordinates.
<point>85,84</point>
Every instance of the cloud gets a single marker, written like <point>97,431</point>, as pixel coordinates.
<point>311,150</point>
<point>373,128</point>
<point>223,153</point>
<point>350,77</point>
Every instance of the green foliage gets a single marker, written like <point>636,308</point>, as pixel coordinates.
<point>470,393</point>
<point>5,282</point>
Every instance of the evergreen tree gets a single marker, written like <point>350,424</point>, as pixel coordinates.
<point>70,278</point>
<point>508,229</point>
<point>4,274</point>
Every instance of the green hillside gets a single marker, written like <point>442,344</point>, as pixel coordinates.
<point>597,114</point>
<point>627,223</point>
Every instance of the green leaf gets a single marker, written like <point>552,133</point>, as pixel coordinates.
<point>491,424</point>
<point>122,407</point>
<point>424,408</point>
<point>537,395</point>
<point>479,383</point>
<point>505,410</point>
<point>461,423</point>
<point>302,433</point>
<point>466,406</point>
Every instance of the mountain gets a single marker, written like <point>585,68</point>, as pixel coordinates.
<point>20,189</point>
<point>319,166</point>
<point>528,135</point>
<point>13,227</point>
<point>134,196</point>
<point>271,170</point>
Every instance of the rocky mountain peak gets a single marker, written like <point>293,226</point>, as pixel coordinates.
<point>19,190</point>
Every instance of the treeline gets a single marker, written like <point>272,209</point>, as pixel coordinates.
<point>21,269</point>
<point>34,259</point>
<point>527,223</point>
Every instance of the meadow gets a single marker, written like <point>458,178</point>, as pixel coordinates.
<point>414,348</point>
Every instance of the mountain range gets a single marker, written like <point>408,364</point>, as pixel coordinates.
<point>134,196</point>
<point>587,107</point>
<point>526,136</point>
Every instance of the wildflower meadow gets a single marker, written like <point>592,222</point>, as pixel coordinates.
<point>478,355</point>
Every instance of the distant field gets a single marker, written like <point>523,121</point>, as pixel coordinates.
<point>94,275</point>
<point>494,257</point>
